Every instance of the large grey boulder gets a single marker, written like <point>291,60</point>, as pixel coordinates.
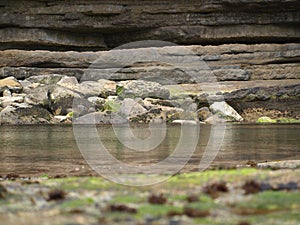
<point>141,89</point>
<point>25,114</point>
<point>225,111</point>
<point>38,96</point>
<point>89,88</point>
<point>62,99</point>
<point>131,108</point>
<point>45,79</point>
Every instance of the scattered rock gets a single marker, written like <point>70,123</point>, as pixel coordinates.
<point>286,164</point>
<point>142,89</point>
<point>251,163</point>
<point>225,111</point>
<point>215,189</point>
<point>45,79</point>
<point>7,101</point>
<point>130,108</point>
<point>251,187</point>
<point>288,186</point>
<point>243,223</point>
<point>56,194</point>
<point>68,82</point>
<point>192,198</point>
<point>174,213</point>
<point>62,99</point>
<point>89,88</point>
<point>97,102</point>
<point>196,213</point>
<point>3,191</point>
<point>25,114</point>
<point>203,113</point>
<point>10,83</point>
<point>12,176</point>
<point>215,119</point>
<point>39,96</point>
<point>157,199</point>
<point>122,208</point>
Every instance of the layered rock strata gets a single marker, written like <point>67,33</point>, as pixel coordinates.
<point>245,53</point>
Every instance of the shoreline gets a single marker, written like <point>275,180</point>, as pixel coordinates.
<point>241,196</point>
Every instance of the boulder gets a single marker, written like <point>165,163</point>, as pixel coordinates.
<point>89,88</point>
<point>68,82</point>
<point>109,87</point>
<point>62,99</point>
<point>38,96</point>
<point>45,79</point>
<point>97,103</point>
<point>130,108</point>
<point>225,111</point>
<point>215,119</point>
<point>9,100</point>
<point>11,84</point>
<point>141,89</point>
<point>203,113</point>
<point>25,114</point>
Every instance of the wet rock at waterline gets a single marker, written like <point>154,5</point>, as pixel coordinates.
<point>25,114</point>
<point>140,101</point>
<point>225,111</point>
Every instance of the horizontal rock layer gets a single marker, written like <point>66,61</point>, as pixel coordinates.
<point>94,25</point>
<point>180,64</point>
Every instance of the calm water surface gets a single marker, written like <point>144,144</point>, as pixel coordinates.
<point>37,150</point>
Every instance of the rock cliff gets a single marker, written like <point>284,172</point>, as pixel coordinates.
<point>252,47</point>
<point>97,25</point>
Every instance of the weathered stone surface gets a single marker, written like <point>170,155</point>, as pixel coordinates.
<point>225,111</point>
<point>62,99</point>
<point>141,89</point>
<point>47,79</point>
<point>25,72</point>
<point>18,37</point>
<point>68,82</point>
<point>38,96</point>
<point>287,164</point>
<point>25,114</point>
<point>10,100</point>
<point>11,84</point>
<point>89,88</point>
<point>203,113</point>
<point>97,103</point>
<point>93,24</point>
<point>131,108</point>
<point>224,63</point>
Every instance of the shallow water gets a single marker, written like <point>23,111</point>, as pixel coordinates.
<point>37,150</point>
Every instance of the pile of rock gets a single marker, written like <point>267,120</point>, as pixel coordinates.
<point>62,99</point>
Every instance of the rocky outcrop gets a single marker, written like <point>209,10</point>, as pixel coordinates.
<point>96,25</point>
<point>242,53</point>
<point>68,100</point>
<point>225,62</point>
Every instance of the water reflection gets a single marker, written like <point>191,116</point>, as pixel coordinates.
<point>35,150</point>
